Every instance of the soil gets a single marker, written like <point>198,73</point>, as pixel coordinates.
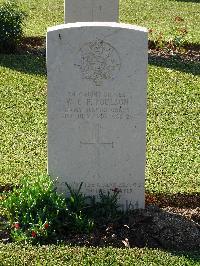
<point>166,228</point>
<point>168,221</point>
<point>171,222</point>
<point>187,52</point>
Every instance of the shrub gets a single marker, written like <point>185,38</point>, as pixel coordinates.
<point>86,212</point>
<point>79,219</point>
<point>35,211</point>
<point>11,20</point>
<point>108,208</point>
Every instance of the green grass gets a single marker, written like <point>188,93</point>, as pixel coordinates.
<point>172,128</point>
<point>41,14</point>
<point>173,156</point>
<point>12,254</point>
<point>158,15</point>
<point>23,117</point>
<point>172,125</point>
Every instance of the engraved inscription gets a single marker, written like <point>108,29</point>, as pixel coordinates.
<point>98,61</point>
<point>97,105</point>
<point>93,189</point>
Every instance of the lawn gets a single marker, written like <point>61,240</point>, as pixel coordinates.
<point>173,155</point>
<point>157,15</point>
<point>161,16</point>
<point>72,256</point>
<point>172,126</point>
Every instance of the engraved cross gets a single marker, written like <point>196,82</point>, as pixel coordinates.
<point>97,141</point>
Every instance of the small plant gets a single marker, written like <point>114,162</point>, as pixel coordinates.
<point>81,223</point>
<point>179,33</point>
<point>11,20</point>
<point>34,211</point>
<point>76,201</point>
<point>160,42</point>
<point>79,220</point>
<point>107,208</point>
<point>177,38</point>
<point>86,212</point>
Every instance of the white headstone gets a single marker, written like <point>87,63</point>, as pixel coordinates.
<point>91,10</point>
<point>97,108</point>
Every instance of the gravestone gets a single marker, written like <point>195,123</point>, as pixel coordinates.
<point>97,75</point>
<point>91,10</point>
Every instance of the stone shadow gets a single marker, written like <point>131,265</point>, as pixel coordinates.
<point>193,1</point>
<point>30,57</point>
<point>152,227</point>
<point>193,256</point>
<point>163,227</point>
<point>176,63</point>
<point>177,200</point>
<point>30,64</point>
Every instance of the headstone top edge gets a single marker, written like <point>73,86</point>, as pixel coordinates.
<point>97,24</point>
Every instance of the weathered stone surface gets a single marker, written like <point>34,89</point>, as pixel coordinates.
<point>97,108</point>
<point>91,10</point>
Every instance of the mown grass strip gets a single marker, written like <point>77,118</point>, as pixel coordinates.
<point>12,254</point>
<point>172,131</point>
<point>23,116</point>
<point>167,18</point>
<point>172,125</point>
